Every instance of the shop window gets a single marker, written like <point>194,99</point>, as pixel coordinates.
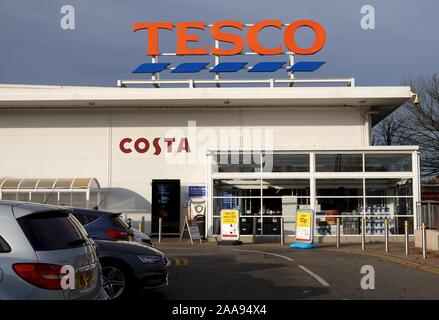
<point>389,206</point>
<point>388,162</point>
<point>237,187</point>
<point>245,206</point>
<point>339,163</point>
<point>339,187</point>
<point>348,210</point>
<point>237,162</point>
<point>375,225</point>
<point>285,163</point>
<point>389,187</point>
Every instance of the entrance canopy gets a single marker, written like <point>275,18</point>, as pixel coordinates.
<point>76,192</point>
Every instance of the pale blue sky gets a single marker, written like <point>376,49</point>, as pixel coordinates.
<point>102,48</point>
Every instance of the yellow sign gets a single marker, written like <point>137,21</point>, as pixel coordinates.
<point>229,216</point>
<point>303,219</point>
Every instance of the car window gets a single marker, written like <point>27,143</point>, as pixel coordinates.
<point>81,218</point>
<point>4,246</point>
<point>85,218</point>
<point>117,221</point>
<point>55,230</point>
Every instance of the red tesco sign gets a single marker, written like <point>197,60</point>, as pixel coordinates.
<point>184,37</point>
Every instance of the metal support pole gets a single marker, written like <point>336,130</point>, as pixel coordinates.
<point>160,230</point>
<point>282,238</point>
<point>338,232</point>
<point>386,233</point>
<point>424,241</point>
<point>406,233</point>
<point>363,233</point>
<point>142,224</point>
<point>254,229</point>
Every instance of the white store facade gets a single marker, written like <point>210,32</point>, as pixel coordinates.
<point>265,151</point>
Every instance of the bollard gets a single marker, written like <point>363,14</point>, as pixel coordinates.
<point>363,233</point>
<point>282,237</point>
<point>386,233</point>
<point>254,229</point>
<point>424,241</point>
<point>337,230</point>
<point>142,225</point>
<point>160,230</point>
<point>406,232</point>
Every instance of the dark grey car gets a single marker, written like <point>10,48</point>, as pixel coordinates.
<point>130,266</point>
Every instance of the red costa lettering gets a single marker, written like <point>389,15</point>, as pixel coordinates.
<point>122,144</point>
<point>142,145</point>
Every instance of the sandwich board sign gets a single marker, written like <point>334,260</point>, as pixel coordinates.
<point>191,226</point>
<point>230,225</point>
<point>304,229</point>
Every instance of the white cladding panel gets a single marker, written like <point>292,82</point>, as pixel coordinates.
<point>86,144</point>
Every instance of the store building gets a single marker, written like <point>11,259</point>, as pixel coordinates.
<point>263,150</point>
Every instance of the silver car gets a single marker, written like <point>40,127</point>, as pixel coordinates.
<point>45,253</point>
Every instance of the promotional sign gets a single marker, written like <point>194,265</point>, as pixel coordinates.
<point>229,224</point>
<point>304,226</point>
<point>194,232</point>
<point>191,226</point>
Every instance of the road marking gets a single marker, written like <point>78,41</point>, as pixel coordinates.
<point>265,252</point>
<point>389,258</point>
<point>315,276</point>
<point>181,261</point>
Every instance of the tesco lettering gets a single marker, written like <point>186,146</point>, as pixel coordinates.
<point>143,145</point>
<point>184,36</point>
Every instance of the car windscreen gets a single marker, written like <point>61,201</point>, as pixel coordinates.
<point>117,221</point>
<point>53,230</point>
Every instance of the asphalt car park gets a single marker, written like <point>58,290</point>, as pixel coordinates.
<point>37,240</point>
<point>273,272</point>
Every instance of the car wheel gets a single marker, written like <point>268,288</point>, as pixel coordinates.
<point>115,281</point>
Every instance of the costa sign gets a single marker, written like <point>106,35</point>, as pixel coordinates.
<point>187,37</point>
<point>143,145</point>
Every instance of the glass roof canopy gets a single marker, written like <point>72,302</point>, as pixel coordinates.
<point>73,192</point>
<point>67,184</point>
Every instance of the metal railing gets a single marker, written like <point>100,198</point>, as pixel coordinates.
<point>428,214</point>
<point>192,83</point>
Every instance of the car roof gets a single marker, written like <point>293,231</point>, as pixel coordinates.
<point>21,209</point>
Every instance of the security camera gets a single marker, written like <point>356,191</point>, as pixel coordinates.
<point>415,99</point>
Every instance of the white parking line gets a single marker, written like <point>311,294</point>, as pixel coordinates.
<point>265,252</point>
<point>315,276</point>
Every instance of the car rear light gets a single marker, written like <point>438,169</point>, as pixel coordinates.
<point>117,235</point>
<point>46,276</point>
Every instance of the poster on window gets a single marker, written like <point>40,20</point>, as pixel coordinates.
<point>304,226</point>
<point>229,224</point>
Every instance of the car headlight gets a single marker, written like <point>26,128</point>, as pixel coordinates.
<point>150,259</point>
